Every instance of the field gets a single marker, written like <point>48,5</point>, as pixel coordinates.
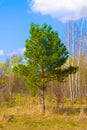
<point>30,117</point>
<point>47,122</point>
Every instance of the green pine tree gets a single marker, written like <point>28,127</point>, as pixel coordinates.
<point>45,55</point>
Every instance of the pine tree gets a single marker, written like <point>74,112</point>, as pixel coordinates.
<point>45,55</point>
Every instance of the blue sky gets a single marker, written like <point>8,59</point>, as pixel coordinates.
<point>17,15</point>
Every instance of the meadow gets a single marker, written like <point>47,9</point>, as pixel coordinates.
<point>23,115</point>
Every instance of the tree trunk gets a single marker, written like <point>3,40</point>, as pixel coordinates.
<point>71,90</point>
<point>43,101</point>
<point>76,85</point>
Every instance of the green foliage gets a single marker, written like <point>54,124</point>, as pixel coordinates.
<point>21,70</point>
<point>62,74</point>
<point>15,59</point>
<point>44,54</point>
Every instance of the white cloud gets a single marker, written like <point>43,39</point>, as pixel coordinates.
<point>20,51</point>
<point>61,9</point>
<point>1,52</point>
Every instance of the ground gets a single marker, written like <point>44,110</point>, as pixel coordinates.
<point>23,116</point>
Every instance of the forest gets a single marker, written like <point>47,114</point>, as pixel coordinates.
<point>48,85</point>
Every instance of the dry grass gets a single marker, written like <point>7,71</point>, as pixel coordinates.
<point>31,118</point>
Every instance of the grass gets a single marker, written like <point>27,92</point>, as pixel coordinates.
<point>39,122</point>
<point>29,117</point>
<point>23,118</point>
